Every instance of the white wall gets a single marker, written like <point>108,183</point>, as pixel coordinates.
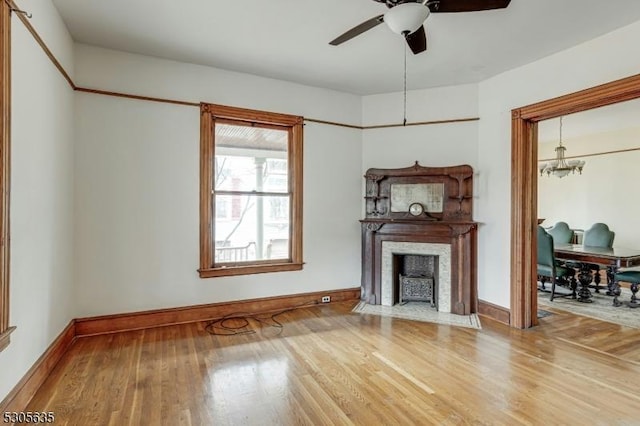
<point>610,57</point>
<point>42,299</point>
<point>433,145</point>
<point>601,193</point>
<point>137,185</point>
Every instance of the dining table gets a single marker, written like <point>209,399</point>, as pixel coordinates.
<point>611,258</point>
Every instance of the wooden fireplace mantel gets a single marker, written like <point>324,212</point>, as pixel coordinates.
<point>446,220</point>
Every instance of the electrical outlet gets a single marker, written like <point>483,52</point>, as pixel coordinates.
<point>326,299</point>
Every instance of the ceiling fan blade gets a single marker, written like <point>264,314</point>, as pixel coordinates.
<point>417,40</point>
<point>447,6</point>
<point>358,29</point>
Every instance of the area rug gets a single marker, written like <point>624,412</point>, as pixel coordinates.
<point>417,311</point>
<point>543,314</point>
<point>601,308</point>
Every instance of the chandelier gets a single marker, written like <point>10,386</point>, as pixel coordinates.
<point>560,167</point>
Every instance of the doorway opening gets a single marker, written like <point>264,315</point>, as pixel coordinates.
<point>524,186</point>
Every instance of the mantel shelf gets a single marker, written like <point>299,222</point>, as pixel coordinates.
<point>413,221</point>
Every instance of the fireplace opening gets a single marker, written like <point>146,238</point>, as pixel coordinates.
<point>390,270</point>
<point>415,279</point>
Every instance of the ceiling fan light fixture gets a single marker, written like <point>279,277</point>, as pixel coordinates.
<point>406,18</point>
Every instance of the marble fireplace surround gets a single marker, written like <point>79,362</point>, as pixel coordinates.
<point>387,278</point>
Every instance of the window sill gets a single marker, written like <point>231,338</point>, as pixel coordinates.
<point>4,338</point>
<point>249,270</point>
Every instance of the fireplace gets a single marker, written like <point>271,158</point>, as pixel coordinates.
<point>395,234</point>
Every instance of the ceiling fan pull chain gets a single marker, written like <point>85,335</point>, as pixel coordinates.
<point>404,122</point>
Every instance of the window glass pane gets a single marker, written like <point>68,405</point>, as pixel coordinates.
<point>255,228</point>
<point>250,158</point>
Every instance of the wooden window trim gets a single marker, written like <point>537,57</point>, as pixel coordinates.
<point>5,169</point>
<point>209,114</point>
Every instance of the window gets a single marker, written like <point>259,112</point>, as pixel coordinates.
<point>250,191</point>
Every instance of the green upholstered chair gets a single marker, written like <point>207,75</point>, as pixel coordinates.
<point>561,233</point>
<point>548,269</point>
<point>632,277</point>
<point>599,235</point>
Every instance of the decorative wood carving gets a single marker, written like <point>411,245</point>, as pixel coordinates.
<point>457,191</point>
<point>453,226</point>
<point>459,230</point>
<point>373,226</point>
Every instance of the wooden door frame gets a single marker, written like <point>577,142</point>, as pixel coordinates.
<point>524,183</point>
<point>5,168</point>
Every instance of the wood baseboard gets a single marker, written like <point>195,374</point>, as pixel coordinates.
<point>162,317</point>
<point>26,388</point>
<point>495,312</point>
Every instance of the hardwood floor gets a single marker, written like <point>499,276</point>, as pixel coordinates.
<point>329,366</point>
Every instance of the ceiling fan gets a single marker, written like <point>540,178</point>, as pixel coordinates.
<point>406,17</point>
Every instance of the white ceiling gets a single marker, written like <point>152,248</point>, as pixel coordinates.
<point>288,39</point>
